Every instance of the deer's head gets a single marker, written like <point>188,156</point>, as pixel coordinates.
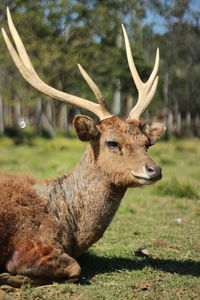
<point>119,147</point>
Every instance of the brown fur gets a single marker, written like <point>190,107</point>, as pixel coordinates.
<point>44,226</point>
<point>22,212</point>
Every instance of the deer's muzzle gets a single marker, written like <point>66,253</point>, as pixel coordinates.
<point>150,174</point>
<point>154,172</point>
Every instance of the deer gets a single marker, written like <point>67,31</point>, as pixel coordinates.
<point>46,225</point>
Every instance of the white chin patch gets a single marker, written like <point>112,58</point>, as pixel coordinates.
<point>144,181</point>
<point>142,178</point>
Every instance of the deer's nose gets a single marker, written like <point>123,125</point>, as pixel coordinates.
<point>153,171</point>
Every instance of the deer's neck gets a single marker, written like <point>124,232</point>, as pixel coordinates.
<point>84,201</point>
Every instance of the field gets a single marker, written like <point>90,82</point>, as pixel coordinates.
<point>152,248</point>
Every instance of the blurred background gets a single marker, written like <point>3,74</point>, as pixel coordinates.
<point>58,34</point>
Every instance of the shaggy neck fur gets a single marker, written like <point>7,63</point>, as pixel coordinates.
<point>84,202</point>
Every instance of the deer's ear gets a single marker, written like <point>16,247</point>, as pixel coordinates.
<point>154,131</point>
<point>85,128</point>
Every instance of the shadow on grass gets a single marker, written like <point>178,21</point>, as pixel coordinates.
<point>92,265</point>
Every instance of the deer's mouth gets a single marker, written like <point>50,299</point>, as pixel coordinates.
<point>150,174</point>
<point>144,178</point>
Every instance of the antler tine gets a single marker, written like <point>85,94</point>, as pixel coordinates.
<point>93,86</point>
<point>25,67</point>
<point>146,90</point>
<point>18,42</point>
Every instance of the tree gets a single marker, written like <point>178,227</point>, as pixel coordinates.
<point>180,53</point>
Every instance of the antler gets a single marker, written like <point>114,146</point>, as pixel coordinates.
<point>23,63</point>
<point>146,90</point>
<point>93,87</point>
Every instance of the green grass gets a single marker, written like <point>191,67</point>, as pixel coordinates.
<point>163,219</point>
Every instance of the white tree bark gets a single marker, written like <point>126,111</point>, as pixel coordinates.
<point>63,117</point>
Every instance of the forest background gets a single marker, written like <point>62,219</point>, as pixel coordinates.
<point>58,34</point>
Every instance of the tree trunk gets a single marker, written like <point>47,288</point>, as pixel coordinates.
<point>1,116</point>
<point>129,104</point>
<point>63,117</point>
<point>38,116</point>
<point>197,125</point>
<point>117,88</point>
<point>117,98</point>
<point>46,124</point>
<point>188,124</point>
<point>17,112</point>
<point>7,112</point>
<point>178,124</point>
<point>166,94</point>
<point>169,123</point>
<point>48,111</point>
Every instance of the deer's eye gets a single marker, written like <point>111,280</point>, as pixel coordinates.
<point>112,145</point>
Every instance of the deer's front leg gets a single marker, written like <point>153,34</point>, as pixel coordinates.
<point>4,296</point>
<point>9,282</point>
<point>40,262</point>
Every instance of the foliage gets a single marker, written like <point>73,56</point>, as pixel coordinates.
<point>181,61</point>
<point>69,32</point>
<point>59,34</point>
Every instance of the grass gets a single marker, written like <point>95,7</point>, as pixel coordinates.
<point>152,248</point>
